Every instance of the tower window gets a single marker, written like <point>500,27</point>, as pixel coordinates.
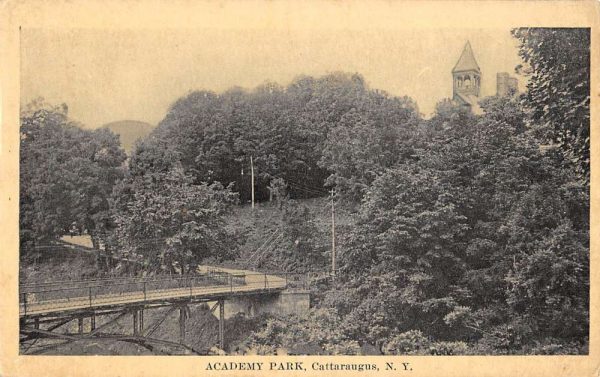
<point>468,83</point>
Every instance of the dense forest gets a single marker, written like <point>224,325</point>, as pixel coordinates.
<point>469,233</point>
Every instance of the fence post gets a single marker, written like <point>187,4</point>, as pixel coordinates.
<point>265,281</point>
<point>90,291</point>
<point>191,285</point>
<point>231,282</point>
<point>24,304</point>
<point>286,279</point>
<point>144,290</point>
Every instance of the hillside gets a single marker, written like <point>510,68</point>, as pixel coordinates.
<point>129,131</point>
<point>253,228</point>
<point>265,233</point>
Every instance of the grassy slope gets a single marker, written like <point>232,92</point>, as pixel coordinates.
<point>57,263</point>
<point>256,225</point>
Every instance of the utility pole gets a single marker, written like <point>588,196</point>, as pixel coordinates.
<point>252,173</point>
<point>332,234</point>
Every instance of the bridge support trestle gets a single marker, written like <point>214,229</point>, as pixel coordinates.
<point>138,321</point>
<point>222,324</point>
<point>182,315</point>
<point>135,322</point>
<point>141,328</point>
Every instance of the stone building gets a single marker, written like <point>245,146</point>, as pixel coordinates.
<point>506,85</point>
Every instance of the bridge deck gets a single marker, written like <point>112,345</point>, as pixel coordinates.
<point>254,283</point>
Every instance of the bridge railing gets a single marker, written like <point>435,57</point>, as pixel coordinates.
<point>56,294</point>
<point>32,286</point>
<point>292,280</point>
<point>83,293</point>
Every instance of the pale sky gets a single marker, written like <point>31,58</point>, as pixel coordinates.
<point>111,75</point>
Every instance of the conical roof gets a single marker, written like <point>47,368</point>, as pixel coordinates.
<point>467,61</point>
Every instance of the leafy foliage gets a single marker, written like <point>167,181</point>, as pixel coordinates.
<point>368,139</point>
<point>302,133</point>
<point>558,91</point>
<point>66,175</point>
<point>171,224</point>
<point>477,240</point>
<point>318,329</point>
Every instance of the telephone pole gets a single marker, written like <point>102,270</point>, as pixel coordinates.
<point>332,234</point>
<point>252,174</point>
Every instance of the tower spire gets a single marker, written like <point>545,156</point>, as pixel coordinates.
<point>466,75</point>
<point>467,61</point>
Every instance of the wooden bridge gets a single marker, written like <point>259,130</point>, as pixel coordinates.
<point>45,308</point>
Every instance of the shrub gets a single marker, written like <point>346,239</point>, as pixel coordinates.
<point>449,348</point>
<point>407,343</point>
<point>554,346</point>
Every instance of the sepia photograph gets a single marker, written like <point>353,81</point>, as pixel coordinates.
<point>304,191</point>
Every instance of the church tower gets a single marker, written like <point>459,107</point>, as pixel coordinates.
<point>466,77</point>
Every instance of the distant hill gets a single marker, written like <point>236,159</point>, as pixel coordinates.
<point>129,131</point>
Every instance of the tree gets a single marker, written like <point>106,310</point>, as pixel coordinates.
<point>374,135</point>
<point>558,90</point>
<point>285,131</point>
<point>170,224</point>
<point>66,175</point>
<point>404,256</point>
<point>478,219</point>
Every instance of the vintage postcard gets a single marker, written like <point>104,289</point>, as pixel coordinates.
<point>240,188</point>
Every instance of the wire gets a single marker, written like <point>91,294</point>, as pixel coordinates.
<point>294,182</point>
<point>313,188</point>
